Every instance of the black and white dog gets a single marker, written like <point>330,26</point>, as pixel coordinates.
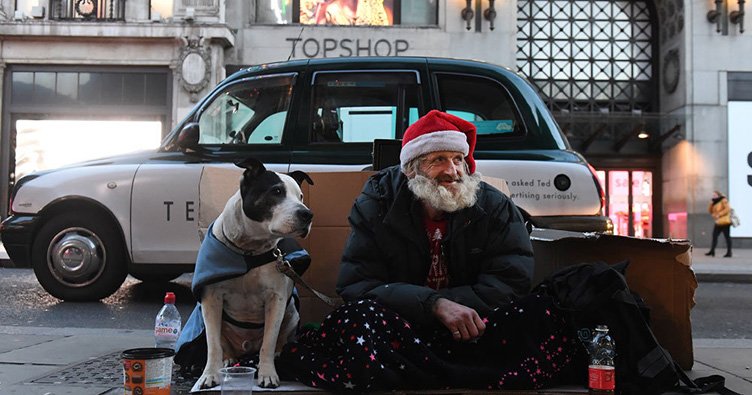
<point>267,208</point>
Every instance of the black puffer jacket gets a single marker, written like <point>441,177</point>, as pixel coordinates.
<point>386,258</point>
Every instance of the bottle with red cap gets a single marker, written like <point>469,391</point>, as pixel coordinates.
<point>601,372</point>
<point>168,324</point>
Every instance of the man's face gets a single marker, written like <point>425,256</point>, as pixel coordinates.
<point>444,167</point>
<point>442,182</point>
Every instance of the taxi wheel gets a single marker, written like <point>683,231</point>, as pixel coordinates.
<point>79,257</point>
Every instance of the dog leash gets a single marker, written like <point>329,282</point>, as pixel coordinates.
<point>284,266</point>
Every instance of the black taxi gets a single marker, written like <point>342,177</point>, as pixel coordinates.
<point>84,227</point>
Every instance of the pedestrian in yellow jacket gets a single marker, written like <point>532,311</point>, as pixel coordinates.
<point>720,209</point>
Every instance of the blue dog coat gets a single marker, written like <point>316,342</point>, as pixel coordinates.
<point>216,262</point>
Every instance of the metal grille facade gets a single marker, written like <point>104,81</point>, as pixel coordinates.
<point>589,55</point>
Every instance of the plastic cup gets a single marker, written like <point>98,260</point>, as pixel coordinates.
<point>237,380</point>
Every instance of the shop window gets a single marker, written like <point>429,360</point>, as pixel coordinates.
<point>642,203</point>
<point>618,201</point>
<point>60,115</point>
<point>418,13</point>
<point>52,143</point>
<point>22,87</point>
<point>26,5</point>
<point>250,112</point>
<point>630,208</point>
<point>87,10</point>
<point>161,9</point>
<point>361,107</point>
<point>95,88</point>
<point>589,55</point>
<point>348,12</point>
<point>278,12</point>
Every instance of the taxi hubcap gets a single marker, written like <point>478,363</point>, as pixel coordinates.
<point>76,257</point>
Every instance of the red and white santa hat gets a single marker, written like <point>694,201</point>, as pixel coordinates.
<point>438,131</point>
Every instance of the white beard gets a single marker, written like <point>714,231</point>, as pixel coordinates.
<point>443,199</point>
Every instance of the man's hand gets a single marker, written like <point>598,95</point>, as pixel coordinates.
<point>463,322</point>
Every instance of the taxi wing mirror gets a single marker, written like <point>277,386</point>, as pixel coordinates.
<point>188,137</point>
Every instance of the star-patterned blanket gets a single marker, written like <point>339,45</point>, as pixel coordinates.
<point>363,346</point>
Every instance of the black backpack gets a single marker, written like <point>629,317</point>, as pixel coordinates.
<point>597,294</point>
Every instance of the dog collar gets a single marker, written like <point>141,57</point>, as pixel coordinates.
<point>248,256</point>
<point>253,261</point>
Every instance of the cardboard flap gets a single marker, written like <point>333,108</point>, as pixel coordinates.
<point>332,195</point>
<point>498,183</point>
<point>217,185</point>
<point>659,271</point>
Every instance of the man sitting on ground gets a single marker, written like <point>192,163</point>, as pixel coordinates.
<point>436,269</point>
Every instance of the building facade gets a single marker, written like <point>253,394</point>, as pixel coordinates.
<point>656,94</point>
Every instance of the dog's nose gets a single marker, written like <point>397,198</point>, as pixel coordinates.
<point>305,215</point>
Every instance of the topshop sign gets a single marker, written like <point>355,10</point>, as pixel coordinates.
<point>346,47</point>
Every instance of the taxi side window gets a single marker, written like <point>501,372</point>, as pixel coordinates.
<point>249,112</point>
<point>482,101</point>
<point>358,107</point>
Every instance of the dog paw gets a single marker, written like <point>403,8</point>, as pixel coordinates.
<point>208,380</point>
<point>268,378</point>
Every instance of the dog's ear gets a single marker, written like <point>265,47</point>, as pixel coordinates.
<point>253,167</point>
<point>300,176</point>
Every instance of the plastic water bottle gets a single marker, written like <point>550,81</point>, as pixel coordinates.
<point>167,325</point>
<point>601,371</point>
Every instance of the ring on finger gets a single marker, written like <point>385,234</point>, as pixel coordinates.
<point>456,333</point>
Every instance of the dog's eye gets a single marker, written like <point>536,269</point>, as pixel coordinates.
<point>277,191</point>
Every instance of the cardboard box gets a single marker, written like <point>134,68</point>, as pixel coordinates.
<point>659,271</point>
<point>330,198</point>
<point>214,189</point>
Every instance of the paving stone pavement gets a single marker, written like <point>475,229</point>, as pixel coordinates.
<point>35,361</point>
